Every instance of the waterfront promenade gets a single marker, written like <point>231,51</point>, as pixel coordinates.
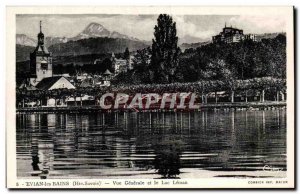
<point>268,105</point>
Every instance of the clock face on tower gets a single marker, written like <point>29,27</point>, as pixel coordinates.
<point>43,66</point>
<point>44,63</point>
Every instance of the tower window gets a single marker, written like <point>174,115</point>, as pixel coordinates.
<point>44,66</point>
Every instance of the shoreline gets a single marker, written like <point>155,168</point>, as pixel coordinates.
<point>251,106</point>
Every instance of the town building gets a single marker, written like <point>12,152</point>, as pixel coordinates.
<point>120,65</point>
<point>232,35</point>
<point>40,61</point>
<point>52,83</point>
<point>41,73</point>
<point>84,100</point>
<point>97,81</point>
<point>107,75</point>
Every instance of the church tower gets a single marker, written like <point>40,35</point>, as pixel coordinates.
<point>40,61</point>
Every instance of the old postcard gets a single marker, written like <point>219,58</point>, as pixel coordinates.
<point>150,97</point>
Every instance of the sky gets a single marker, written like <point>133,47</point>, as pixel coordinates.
<point>142,26</point>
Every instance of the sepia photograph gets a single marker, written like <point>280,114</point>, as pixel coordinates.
<point>155,98</point>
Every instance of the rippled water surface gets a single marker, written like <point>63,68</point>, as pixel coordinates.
<point>131,145</point>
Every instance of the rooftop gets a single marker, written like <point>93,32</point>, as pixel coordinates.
<point>46,83</point>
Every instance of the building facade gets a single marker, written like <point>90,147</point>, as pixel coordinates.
<point>251,37</point>
<point>120,65</point>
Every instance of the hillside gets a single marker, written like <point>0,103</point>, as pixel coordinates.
<point>23,52</point>
<point>72,50</point>
<point>220,61</point>
<point>243,60</point>
<point>95,46</point>
<point>268,35</point>
<point>185,46</point>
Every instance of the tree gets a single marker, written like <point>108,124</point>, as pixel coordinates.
<point>106,64</point>
<point>219,69</point>
<point>70,68</point>
<point>58,69</point>
<point>245,59</point>
<point>126,54</point>
<point>141,63</point>
<point>165,52</point>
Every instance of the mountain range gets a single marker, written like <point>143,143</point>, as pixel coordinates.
<point>96,39</point>
<point>22,39</point>
<point>93,30</point>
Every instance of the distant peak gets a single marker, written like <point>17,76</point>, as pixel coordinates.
<point>94,24</point>
<point>94,28</point>
<point>21,35</point>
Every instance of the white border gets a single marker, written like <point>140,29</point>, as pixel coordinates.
<point>204,183</point>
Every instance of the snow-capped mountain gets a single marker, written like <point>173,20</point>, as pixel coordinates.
<point>22,39</point>
<point>91,31</point>
<point>95,30</point>
<point>55,40</point>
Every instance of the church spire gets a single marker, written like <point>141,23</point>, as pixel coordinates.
<point>40,26</point>
<point>41,36</point>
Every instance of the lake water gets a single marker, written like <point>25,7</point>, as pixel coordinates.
<point>136,145</point>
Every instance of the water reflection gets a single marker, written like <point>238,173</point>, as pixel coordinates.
<point>167,157</point>
<point>150,145</point>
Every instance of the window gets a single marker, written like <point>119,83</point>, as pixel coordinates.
<point>44,66</point>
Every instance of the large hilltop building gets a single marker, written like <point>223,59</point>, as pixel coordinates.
<point>231,35</point>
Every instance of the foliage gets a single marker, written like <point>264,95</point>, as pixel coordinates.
<point>226,62</point>
<point>141,67</point>
<point>141,72</point>
<point>126,54</point>
<point>203,86</point>
<point>165,52</point>
<point>244,60</point>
